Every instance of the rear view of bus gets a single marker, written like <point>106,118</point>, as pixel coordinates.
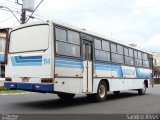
<point>29,58</point>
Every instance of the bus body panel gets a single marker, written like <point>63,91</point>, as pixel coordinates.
<point>19,65</point>
<point>67,67</point>
<point>121,84</point>
<point>68,85</point>
<point>32,65</point>
<point>68,75</point>
<point>120,77</point>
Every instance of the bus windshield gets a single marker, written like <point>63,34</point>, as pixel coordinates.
<point>32,38</point>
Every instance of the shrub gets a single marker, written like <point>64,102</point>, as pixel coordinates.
<point>2,88</point>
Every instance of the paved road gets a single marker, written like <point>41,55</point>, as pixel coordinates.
<point>126,102</point>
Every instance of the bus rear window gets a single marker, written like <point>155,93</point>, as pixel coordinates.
<point>31,38</point>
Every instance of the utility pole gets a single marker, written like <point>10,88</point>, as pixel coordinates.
<point>27,6</point>
<point>23,16</point>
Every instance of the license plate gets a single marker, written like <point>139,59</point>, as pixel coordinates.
<point>25,79</point>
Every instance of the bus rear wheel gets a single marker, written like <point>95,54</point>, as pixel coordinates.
<point>65,96</point>
<point>143,90</point>
<point>101,93</point>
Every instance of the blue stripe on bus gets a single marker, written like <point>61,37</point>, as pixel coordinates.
<point>30,57</point>
<point>109,67</point>
<point>142,75</point>
<point>118,69</point>
<point>18,60</point>
<point>68,59</point>
<point>26,60</point>
<point>68,66</point>
<point>68,63</point>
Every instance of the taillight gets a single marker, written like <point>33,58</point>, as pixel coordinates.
<point>8,79</point>
<point>55,75</point>
<point>46,80</point>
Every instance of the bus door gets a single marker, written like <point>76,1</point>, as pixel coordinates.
<point>87,51</point>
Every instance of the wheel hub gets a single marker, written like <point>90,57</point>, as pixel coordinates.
<point>102,91</point>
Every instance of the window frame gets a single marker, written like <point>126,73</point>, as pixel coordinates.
<point>118,45</point>
<point>102,50</point>
<point>128,56</point>
<point>116,53</point>
<point>67,42</point>
<point>114,48</point>
<point>65,32</point>
<point>145,60</point>
<point>96,39</point>
<point>107,46</point>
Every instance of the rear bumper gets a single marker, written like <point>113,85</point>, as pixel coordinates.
<point>29,86</point>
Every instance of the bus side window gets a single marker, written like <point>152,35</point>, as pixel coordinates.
<point>102,49</point>
<point>73,37</point>
<point>145,60</point>
<point>67,42</point>
<point>61,34</point>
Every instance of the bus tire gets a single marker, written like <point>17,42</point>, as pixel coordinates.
<point>143,90</point>
<point>65,96</point>
<point>101,93</point>
<point>116,92</point>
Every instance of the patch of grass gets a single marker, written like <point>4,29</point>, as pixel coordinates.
<point>12,91</point>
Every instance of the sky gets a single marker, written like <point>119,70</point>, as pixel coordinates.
<point>128,21</point>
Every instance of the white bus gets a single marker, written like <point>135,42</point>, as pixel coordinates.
<point>51,57</point>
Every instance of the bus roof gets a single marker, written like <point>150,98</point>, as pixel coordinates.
<point>80,30</point>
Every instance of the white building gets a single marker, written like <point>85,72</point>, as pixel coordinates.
<point>156,58</point>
